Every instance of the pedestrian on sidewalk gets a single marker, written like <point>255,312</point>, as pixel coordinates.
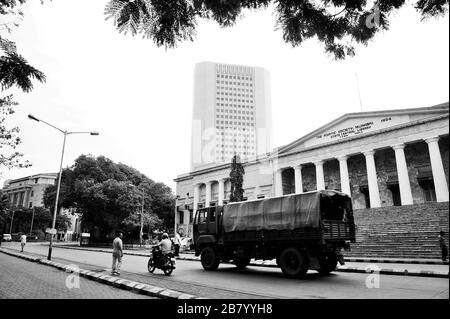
<point>23,241</point>
<point>444,250</point>
<point>177,244</point>
<point>117,254</point>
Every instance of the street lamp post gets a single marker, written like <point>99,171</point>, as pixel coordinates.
<point>31,117</point>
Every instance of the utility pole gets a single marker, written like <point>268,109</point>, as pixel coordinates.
<point>142,220</point>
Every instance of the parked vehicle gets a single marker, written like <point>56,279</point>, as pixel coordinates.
<point>7,237</point>
<point>301,231</point>
<point>165,262</point>
<point>187,243</point>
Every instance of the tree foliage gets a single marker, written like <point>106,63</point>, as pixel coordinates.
<point>338,24</point>
<point>236,180</point>
<point>24,216</point>
<point>9,138</point>
<point>14,68</point>
<point>14,71</point>
<point>108,195</point>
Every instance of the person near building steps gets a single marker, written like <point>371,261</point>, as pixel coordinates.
<point>444,250</point>
<point>117,254</point>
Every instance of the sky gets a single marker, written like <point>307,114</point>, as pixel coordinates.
<point>139,96</point>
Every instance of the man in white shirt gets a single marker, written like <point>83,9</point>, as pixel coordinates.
<point>23,241</point>
<point>117,254</point>
<point>177,244</point>
<point>165,244</point>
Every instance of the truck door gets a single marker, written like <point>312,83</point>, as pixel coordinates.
<point>201,221</point>
<point>212,220</point>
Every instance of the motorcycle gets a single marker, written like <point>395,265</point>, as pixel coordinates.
<point>165,262</point>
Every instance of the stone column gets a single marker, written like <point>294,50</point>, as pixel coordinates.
<point>208,194</point>
<point>298,179</point>
<point>440,183</point>
<point>320,179</point>
<point>196,196</point>
<point>278,183</point>
<point>402,173</point>
<point>221,190</point>
<point>345,179</point>
<point>374,193</point>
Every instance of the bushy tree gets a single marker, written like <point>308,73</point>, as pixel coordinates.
<point>338,24</point>
<point>108,196</point>
<point>236,180</point>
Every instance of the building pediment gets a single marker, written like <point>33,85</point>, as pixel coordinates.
<point>362,123</point>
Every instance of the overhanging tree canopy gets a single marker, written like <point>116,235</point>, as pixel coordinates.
<point>338,24</point>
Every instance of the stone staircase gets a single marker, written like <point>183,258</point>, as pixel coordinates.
<point>400,231</point>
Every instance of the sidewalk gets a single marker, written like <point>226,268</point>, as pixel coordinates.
<point>137,287</point>
<point>386,266</point>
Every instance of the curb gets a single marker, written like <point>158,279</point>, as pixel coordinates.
<point>117,282</point>
<point>396,261</point>
<point>383,271</point>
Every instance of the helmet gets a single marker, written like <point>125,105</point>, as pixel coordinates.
<point>165,235</point>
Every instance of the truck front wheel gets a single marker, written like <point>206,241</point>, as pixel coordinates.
<point>209,258</point>
<point>294,263</point>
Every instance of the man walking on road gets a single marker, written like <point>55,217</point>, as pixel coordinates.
<point>23,241</point>
<point>117,254</point>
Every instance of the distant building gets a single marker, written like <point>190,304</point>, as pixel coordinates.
<point>231,113</point>
<point>28,191</point>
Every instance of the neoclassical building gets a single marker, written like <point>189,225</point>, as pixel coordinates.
<point>381,158</point>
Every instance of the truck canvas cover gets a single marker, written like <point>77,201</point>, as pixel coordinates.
<point>278,213</point>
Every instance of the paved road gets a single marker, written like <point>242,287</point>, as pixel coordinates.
<point>256,282</point>
<point>22,279</point>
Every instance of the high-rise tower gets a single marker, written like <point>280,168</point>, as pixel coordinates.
<point>232,114</point>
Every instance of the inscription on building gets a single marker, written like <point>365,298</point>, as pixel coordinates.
<point>352,130</point>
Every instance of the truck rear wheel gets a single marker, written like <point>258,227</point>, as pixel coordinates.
<point>294,263</point>
<point>241,262</point>
<point>328,264</point>
<point>209,258</point>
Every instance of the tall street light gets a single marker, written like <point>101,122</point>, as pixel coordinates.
<point>31,117</point>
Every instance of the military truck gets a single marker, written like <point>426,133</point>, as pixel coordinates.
<point>301,231</point>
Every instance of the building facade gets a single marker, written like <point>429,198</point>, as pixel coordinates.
<point>382,158</point>
<point>231,113</point>
<point>28,192</point>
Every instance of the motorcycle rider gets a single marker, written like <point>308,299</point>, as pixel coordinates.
<point>165,245</point>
